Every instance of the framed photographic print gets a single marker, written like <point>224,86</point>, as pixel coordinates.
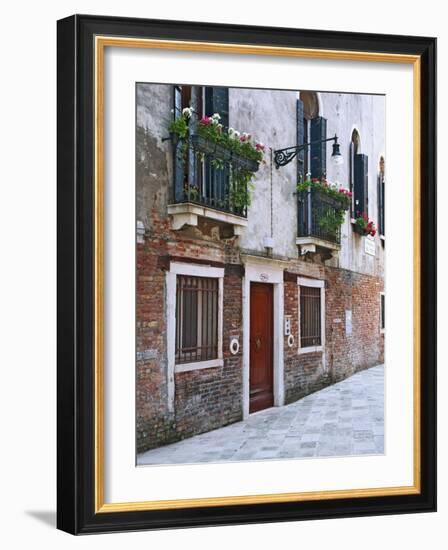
<point>246,274</point>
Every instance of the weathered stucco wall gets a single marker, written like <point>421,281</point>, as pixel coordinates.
<point>269,115</point>
<point>153,156</point>
<point>366,113</point>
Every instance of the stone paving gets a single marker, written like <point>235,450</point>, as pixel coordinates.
<point>344,419</point>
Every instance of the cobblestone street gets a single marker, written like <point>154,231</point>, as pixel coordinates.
<point>346,418</point>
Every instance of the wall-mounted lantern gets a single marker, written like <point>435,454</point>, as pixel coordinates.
<point>282,157</point>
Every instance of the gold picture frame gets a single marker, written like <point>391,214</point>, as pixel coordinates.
<point>103,516</point>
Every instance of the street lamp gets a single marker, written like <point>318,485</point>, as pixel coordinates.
<point>282,157</point>
<point>336,157</point>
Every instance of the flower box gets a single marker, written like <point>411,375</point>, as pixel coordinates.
<point>219,151</point>
<point>222,152</point>
<point>203,144</point>
<point>363,226</point>
<point>245,163</point>
<point>328,200</point>
<point>359,230</point>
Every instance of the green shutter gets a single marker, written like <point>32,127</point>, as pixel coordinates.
<point>381,204</point>
<point>300,137</point>
<point>319,149</point>
<point>216,181</point>
<point>177,156</point>
<point>361,175</point>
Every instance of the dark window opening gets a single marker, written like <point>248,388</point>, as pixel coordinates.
<point>310,317</point>
<point>192,96</point>
<point>196,319</point>
<point>383,312</point>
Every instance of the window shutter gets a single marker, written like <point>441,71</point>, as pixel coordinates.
<point>381,204</point>
<point>216,184</point>
<point>352,178</point>
<point>178,160</point>
<point>318,150</point>
<point>300,140</point>
<point>361,199</point>
<point>217,101</point>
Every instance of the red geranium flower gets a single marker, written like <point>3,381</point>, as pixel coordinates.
<point>206,120</point>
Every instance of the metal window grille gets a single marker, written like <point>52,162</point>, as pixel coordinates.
<point>310,321</point>
<point>383,311</point>
<point>196,319</point>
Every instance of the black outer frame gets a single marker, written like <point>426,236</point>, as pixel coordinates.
<point>75,310</point>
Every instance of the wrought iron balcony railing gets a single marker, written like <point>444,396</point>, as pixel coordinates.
<point>204,174</point>
<point>314,207</point>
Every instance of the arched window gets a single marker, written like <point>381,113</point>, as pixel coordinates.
<point>310,112</point>
<point>359,171</point>
<point>381,181</point>
<point>311,128</point>
<point>356,142</point>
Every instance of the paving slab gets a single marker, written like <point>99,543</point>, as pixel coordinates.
<point>344,419</point>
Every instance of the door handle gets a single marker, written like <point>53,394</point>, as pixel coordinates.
<point>258,344</point>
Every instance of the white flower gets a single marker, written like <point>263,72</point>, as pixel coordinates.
<point>187,111</point>
<point>216,116</point>
<point>230,131</point>
<point>237,134</point>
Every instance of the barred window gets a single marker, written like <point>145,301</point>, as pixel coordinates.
<point>383,312</point>
<point>310,317</point>
<point>196,319</point>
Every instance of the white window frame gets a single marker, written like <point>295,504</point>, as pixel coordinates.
<point>314,283</point>
<point>382,329</point>
<point>193,270</point>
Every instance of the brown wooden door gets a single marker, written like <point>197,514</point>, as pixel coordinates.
<point>261,379</point>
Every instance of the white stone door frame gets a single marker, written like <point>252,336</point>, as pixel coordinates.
<point>264,270</point>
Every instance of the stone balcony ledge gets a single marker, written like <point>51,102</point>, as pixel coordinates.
<point>315,244</point>
<point>187,213</point>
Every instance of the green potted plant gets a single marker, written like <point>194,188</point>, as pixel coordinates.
<point>363,226</point>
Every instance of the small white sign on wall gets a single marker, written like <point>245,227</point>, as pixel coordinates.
<point>369,245</point>
<point>348,321</point>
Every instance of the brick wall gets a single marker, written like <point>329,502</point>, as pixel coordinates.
<point>204,399</point>
<point>154,422</point>
<point>210,398</point>
<point>345,354</point>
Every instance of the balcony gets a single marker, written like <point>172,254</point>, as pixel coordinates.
<point>317,230</point>
<point>206,184</point>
